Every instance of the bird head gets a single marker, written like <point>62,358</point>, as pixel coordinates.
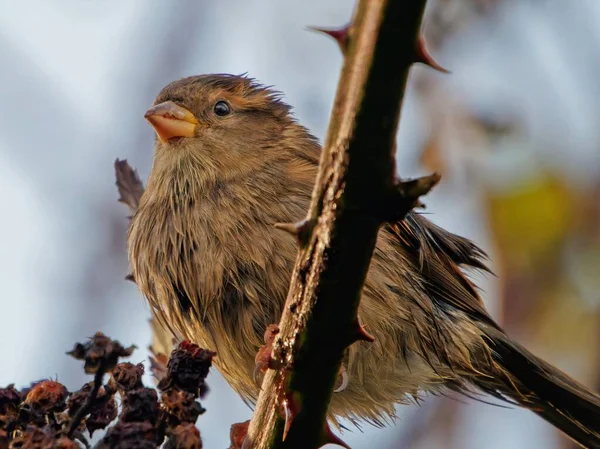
<point>221,125</point>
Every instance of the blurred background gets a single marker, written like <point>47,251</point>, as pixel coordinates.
<point>513,129</point>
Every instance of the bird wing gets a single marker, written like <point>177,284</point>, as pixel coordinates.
<point>441,257</point>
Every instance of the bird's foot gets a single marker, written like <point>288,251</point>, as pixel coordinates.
<point>238,435</point>
<point>263,359</point>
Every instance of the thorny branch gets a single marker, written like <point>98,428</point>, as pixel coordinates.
<point>355,193</point>
<point>83,411</point>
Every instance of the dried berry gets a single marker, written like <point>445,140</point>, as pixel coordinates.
<point>46,416</point>
<point>129,435</point>
<point>65,443</point>
<point>78,398</point>
<point>187,369</point>
<point>103,412</point>
<point>140,405</point>
<point>184,436</point>
<point>33,438</point>
<point>47,396</point>
<point>4,441</point>
<point>127,376</point>
<point>100,351</point>
<point>10,399</point>
<point>180,407</point>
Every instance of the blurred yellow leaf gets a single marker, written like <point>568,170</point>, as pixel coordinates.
<point>529,220</point>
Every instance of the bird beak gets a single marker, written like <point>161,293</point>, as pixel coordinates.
<point>170,120</point>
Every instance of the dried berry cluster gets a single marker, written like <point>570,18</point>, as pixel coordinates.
<point>48,416</point>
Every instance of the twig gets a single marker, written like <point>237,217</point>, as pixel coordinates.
<point>89,402</point>
<point>355,193</point>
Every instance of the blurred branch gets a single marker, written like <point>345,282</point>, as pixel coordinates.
<point>355,191</point>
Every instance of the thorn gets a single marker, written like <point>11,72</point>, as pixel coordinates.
<point>361,333</point>
<point>301,230</point>
<point>130,277</point>
<point>257,374</point>
<point>345,380</point>
<point>330,438</point>
<point>415,188</point>
<point>291,410</point>
<point>289,418</point>
<point>340,35</point>
<point>290,228</point>
<point>424,57</point>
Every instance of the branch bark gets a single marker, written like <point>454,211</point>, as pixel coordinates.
<point>356,192</point>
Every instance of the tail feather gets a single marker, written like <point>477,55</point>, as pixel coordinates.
<point>542,388</point>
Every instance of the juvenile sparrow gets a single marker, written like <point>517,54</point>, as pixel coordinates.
<point>230,161</point>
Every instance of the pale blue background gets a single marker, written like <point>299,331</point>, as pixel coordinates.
<point>77,76</point>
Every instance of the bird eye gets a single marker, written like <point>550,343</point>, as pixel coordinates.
<point>221,108</point>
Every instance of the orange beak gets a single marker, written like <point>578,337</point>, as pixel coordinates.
<point>170,120</point>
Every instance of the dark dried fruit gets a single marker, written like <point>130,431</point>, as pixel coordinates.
<point>187,369</point>
<point>47,396</point>
<point>10,398</point>
<point>180,407</point>
<point>100,350</point>
<point>4,441</point>
<point>140,405</point>
<point>126,376</point>
<point>78,398</point>
<point>46,416</point>
<point>103,412</point>
<point>184,436</point>
<point>65,443</point>
<point>238,433</point>
<point>33,438</point>
<point>129,435</point>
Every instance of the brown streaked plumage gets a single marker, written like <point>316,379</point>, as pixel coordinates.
<point>230,162</point>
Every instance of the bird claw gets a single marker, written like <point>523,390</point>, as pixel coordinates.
<point>257,374</point>
<point>263,360</point>
<point>238,435</point>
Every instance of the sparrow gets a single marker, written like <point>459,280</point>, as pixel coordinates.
<point>230,161</point>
